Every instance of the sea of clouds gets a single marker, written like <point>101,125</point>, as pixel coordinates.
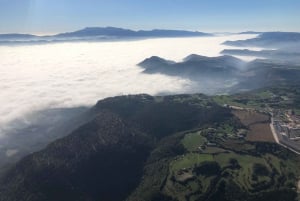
<point>38,77</point>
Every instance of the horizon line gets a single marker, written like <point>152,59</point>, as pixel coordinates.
<point>40,34</point>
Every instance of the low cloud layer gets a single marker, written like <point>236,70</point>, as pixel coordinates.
<point>38,77</point>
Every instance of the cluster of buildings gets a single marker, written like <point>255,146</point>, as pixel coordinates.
<point>287,128</point>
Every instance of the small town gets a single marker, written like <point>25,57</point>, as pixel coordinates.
<point>287,128</point>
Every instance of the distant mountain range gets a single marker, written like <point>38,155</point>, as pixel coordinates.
<point>250,32</point>
<point>217,72</point>
<point>119,32</point>
<point>265,39</point>
<point>268,39</point>
<point>99,33</point>
<point>15,36</point>
<point>277,55</point>
<point>283,47</point>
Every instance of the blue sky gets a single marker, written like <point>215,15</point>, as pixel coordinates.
<point>52,16</point>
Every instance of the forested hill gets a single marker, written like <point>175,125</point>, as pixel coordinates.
<point>145,148</point>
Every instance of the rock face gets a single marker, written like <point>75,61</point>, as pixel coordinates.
<point>104,158</point>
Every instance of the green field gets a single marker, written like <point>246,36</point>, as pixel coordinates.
<point>227,100</point>
<point>218,160</point>
<point>189,161</point>
<point>281,98</point>
<point>198,171</point>
<point>193,141</point>
<point>265,94</point>
<point>243,175</point>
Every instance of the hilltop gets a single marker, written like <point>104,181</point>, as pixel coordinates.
<point>194,66</point>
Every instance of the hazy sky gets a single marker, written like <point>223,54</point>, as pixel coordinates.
<point>51,16</point>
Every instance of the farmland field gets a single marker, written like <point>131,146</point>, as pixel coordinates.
<point>258,125</point>
<point>260,132</point>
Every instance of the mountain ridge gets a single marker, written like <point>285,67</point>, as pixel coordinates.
<point>103,32</point>
<point>193,66</point>
<point>268,39</point>
<point>118,32</point>
<point>113,146</point>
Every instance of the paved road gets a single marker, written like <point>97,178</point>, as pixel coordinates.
<point>276,136</point>
<point>271,126</point>
<point>273,130</point>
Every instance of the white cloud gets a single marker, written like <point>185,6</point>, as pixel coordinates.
<point>36,77</point>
